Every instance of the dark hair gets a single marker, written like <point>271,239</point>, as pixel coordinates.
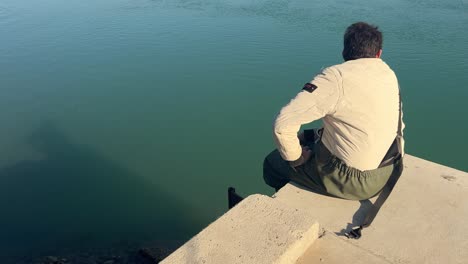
<point>361,40</point>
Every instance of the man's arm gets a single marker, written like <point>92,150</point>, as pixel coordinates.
<point>317,99</point>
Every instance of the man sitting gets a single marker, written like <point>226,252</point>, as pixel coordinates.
<point>359,104</point>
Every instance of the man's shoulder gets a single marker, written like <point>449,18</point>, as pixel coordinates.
<point>331,70</point>
<point>364,64</point>
<point>360,68</point>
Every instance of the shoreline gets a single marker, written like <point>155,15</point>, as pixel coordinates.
<point>135,253</point>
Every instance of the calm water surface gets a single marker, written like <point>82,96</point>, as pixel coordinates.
<point>126,120</point>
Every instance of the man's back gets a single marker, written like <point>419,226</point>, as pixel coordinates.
<point>359,103</point>
<point>364,123</point>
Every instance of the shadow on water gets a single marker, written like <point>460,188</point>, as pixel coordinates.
<point>74,197</point>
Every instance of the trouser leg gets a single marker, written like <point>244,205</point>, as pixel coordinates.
<point>275,170</point>
<point>277,173</point>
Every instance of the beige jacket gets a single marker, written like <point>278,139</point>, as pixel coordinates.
<point>358,101</point>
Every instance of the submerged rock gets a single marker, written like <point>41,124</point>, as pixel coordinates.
<point>54,260</point>
<point>154,254</point>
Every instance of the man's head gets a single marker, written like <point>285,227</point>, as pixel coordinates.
<point>362,40</point>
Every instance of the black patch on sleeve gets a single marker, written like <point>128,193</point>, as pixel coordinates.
<point>309,87</point>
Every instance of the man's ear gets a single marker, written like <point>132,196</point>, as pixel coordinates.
<point>379,54</point>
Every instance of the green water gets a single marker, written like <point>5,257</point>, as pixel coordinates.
<point>126,120</point>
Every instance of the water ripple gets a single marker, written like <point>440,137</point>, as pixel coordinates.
<point>141,4</point>
<point>7,15</point>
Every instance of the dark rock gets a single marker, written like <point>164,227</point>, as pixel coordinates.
<point>154,254</point>
<point>52,259</point>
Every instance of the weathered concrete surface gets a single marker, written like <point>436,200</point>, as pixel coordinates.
<point>332,249</point>
<point>423,221</point>
<point>258,230</point>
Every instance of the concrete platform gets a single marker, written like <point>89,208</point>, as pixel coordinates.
<point>423,221</point>
<point>258,230</point>
<point>333,249</point>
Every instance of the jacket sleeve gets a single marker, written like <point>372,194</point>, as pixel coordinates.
<point>312,103</point>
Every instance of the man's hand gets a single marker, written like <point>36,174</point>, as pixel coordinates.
<point>305,156</point>
<point>306,153</point>
<point>301,138</point>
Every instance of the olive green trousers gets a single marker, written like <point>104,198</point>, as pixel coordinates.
<point>326,174</point>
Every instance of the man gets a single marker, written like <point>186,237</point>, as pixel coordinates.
<point>359,103</point>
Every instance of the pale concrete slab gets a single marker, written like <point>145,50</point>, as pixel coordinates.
<point>260,229</point>
<point>423,221</point>
<point>331,249</point>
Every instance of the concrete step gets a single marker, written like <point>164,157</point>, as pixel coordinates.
<point>257,230</point>
<point>332,249</point>
<point>423,220</point>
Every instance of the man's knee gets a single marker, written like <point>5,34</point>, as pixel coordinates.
<point>267,169</point>
<point>272,175</point>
